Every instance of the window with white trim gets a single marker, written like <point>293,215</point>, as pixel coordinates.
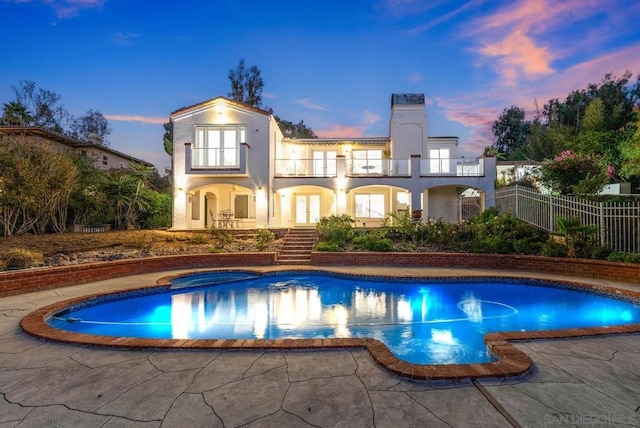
<point>370,205</point>
<point>439,161</point>
<point>324,163</point>
<point>218,146</point>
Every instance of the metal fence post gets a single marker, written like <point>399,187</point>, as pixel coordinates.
<point>602,231</point>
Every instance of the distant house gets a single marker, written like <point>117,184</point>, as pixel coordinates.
<point>103,157</point>
<point>233,167</point>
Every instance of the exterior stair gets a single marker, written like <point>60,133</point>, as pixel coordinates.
<point>297,246</point>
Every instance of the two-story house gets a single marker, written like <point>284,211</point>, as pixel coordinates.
<point>233,167</point>
<point>103,157</point>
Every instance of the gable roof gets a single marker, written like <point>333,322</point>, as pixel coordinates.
<point>212,101</point>
<point>38,131</point>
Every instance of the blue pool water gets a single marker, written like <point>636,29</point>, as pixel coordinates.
<point>438,321</point>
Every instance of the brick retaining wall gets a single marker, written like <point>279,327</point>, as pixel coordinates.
<point>21,281</point>
<point>626,272</point>
<point>16,282</point>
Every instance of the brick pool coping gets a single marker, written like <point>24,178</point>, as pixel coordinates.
<point>510,360</point>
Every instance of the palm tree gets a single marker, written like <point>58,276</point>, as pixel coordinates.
<point>16,113</point>
<point>128,193</point>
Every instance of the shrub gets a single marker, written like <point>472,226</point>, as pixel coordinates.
<point>570,172</point>
<point>336,229</point>
<point>264,236</point>
<point>327,246</point>
<point>579,238</point>
<point>403,226</point>
<point>21,258</point>
<point>552,248</point>
<point>199,238</point>
<point>144,240</point>
<point>373,242</point>
<point>617,256</point>
<point>222,238</point>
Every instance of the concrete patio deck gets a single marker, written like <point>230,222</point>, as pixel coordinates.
<point>574,382</point>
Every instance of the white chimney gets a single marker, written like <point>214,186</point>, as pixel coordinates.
<point>94,138</point>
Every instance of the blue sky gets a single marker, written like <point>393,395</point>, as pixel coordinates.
<point>333,64</point>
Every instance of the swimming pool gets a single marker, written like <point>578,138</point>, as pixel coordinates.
<point>422,321</point>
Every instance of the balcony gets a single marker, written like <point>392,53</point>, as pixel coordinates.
<point>452,167</point>
<point>216,161</point>
<point>306,168</point>
<point>378,168</point>
<point>353,167</point>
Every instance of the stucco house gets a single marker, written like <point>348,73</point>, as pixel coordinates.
<point>103,158</point>
<point>233,167</point>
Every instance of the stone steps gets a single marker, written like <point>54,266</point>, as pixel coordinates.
<point>297,246</point>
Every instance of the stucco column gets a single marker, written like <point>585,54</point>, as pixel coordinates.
<point>416,191</point>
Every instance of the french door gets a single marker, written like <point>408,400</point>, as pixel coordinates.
<point>307,210</point>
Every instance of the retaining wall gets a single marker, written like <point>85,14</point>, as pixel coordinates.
<point>626,272</point>
<point>22,281</point>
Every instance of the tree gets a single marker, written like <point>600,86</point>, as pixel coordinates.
<point>92,122</point>
<point>128,193</point>
<point>44,104</point>
<point>35,187</point>
<point>15,113</point>
<point>511,130</point>
<point>295,130</point>
<point>631,154</point>
<point>88,200</point>
<point>167,138</point>
<point>246,87</point>
<point>246,84</point>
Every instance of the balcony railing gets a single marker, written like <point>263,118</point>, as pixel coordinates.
<point>379,167</point>
<point>306,167</point>
<point>215,158</point>
<point>452,167</point>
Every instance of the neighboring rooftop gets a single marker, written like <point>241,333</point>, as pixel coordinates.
<point>38,131</point>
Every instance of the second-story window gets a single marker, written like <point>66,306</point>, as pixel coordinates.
<point>105,161</point>
<point>218,146</point>
<point>366,162</point>
<point>439,161</point>
<point>324,163</point>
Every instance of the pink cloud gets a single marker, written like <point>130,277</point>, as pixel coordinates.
<point>367,119</point>
<point>306,102</point>
<point>592,71</point>
<point>477,111</point>
<point>134,118</point>
<point>517,37</point>
<point>339,131</point>
<point>370,118</point>
<point>518,52</point>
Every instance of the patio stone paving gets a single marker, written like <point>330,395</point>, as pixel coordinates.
<point>574,382</point>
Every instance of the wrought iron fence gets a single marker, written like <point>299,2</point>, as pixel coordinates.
<point>618,223</point>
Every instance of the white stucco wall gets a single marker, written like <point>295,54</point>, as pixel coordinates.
<point>408,130</point>
<point>260,137</point>
<point>442,204</point>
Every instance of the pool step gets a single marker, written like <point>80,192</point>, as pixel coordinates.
<point>297,246</point>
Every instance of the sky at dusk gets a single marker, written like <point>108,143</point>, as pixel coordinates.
<point>333,64</point>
